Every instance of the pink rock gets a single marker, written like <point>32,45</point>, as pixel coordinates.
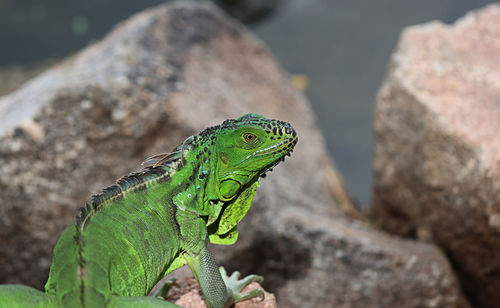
<point>437,152</point>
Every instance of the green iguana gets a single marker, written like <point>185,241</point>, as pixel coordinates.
<point>158,219</point>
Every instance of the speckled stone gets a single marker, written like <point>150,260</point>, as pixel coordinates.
<point>437,145</point>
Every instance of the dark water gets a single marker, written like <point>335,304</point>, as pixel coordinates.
<point>343,47</point>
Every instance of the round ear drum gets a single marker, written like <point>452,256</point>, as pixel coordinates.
<point>229,188</point>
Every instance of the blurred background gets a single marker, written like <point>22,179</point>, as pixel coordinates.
<point>337,50</point>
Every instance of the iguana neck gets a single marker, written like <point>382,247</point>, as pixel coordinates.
<point>195,181</point>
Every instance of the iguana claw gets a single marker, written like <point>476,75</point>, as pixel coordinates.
<point>236,285</point>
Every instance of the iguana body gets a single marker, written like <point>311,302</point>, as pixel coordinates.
<point>156,220</point>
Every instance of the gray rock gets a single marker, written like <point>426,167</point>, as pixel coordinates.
<point>167,73</point>
<point>437,154</point>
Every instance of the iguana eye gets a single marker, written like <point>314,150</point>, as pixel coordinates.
<point>249,138</point>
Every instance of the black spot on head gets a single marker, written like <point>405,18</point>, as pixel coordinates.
<point>274,130</point>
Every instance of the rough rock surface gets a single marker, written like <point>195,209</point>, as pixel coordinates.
<point>187,294</point>
<point>11,77</point>
<point>163,75</point>
<point>437,154</point>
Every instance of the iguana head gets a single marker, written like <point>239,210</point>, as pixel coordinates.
<point>223,164</point>
<point>247,148</point>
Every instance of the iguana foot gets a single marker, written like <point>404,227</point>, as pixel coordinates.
<point>236,285</point>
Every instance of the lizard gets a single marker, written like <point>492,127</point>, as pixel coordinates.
<point>153,221</point>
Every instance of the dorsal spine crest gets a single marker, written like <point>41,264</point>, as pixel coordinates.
<point>125,185</point>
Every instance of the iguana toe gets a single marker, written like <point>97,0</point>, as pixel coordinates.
<point>236,285</point>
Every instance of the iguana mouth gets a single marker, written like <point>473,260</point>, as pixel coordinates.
<point>288,152</point>
<point>269,150</point>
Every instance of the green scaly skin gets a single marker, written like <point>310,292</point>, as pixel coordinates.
<point>156,220</point>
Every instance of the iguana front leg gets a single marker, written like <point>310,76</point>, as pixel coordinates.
<point>219,292</point>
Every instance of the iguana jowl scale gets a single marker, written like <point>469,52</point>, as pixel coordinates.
<point>151,222</point>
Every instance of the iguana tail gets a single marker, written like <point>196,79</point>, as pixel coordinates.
<point>19,296</point>
<point>139,301</point>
